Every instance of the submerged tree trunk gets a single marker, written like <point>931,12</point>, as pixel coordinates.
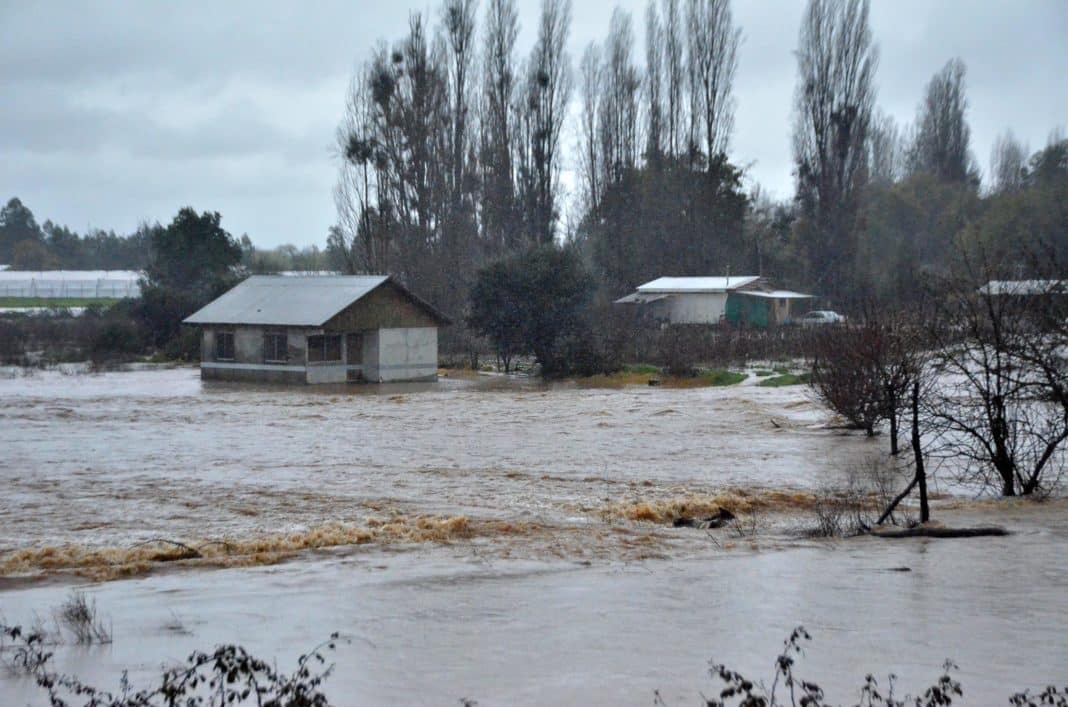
<point>917,451</point>
<point>1007,471</point>
<point>920,477</point>
<point>893,433</point>
<point>893,504</point>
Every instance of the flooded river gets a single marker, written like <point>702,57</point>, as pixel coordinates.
<point>495,540</point>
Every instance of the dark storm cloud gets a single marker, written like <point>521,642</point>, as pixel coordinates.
<point>117,112</point>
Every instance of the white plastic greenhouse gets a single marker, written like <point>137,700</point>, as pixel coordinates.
<point>57,284</point>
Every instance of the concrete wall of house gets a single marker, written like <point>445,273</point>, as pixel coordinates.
<point>327,373</point>
<point>248,363</point>
<point>207,344</point>
<point>254,374</point>
<point>370,355</point>
<point>697,307</point>
<point>401,354</point>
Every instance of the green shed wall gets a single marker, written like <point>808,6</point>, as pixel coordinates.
<point>751,311</point>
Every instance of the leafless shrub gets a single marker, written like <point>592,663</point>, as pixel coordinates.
<point>852,507</point>
<point>864,371</point>
<point>829,511</point>
<point>842,513</point>
<point>874,484</point>
<point>78,615</point>
<point>683,346</point>
<point>748,525</point>
<point>1003,405</point>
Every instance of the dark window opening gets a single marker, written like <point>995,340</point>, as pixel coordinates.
<point>354,349</point>
<point>324,348</point>
<point>275,347</point>
<point>224,346</point>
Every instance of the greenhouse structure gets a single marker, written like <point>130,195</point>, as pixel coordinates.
<point>69,284</point>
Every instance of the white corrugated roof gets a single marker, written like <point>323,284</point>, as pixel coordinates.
<point>697,284</point>
<point>776,294</point>
<point>276,300</point>
<point>1024,287</point>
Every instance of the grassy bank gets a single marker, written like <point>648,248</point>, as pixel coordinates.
<point>651,375</point>
<point>784,379</point>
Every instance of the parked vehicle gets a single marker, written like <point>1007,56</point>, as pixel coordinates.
<point>821,317</point>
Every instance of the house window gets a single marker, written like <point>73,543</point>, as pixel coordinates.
<point>224,346</point>
<point>275,347</point>
<point>324,348</point>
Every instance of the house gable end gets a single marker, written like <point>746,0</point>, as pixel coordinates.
<point>388,306</point>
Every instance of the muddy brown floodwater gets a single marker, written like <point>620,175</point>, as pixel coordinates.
<point>495,539</point>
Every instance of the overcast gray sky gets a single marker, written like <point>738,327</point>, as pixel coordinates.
<point>118,112</point>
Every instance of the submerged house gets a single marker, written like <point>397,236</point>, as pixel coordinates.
<point>746,300</point>
<point>318,329</point>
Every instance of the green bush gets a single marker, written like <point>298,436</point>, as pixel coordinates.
<point>116,338</point>
<point>722,377</point>
<point>536,303</point>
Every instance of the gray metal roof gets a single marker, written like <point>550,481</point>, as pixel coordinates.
<point>275,300</point>
<point>639,298</point>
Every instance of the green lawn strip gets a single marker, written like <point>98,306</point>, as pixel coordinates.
<point>784,380</point>
<point>720,376</point>
<point>642,368</point>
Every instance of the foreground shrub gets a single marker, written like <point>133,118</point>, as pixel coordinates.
<point>788,688</point>
<point>226,676</point>
<point>229,675</point>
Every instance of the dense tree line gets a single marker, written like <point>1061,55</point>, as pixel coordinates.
<point>453,148</point>
<point>286,258</point>
<point>452,153</point>
<point>186,264</point>
<point>660,195</point>
<point>25,245</point>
